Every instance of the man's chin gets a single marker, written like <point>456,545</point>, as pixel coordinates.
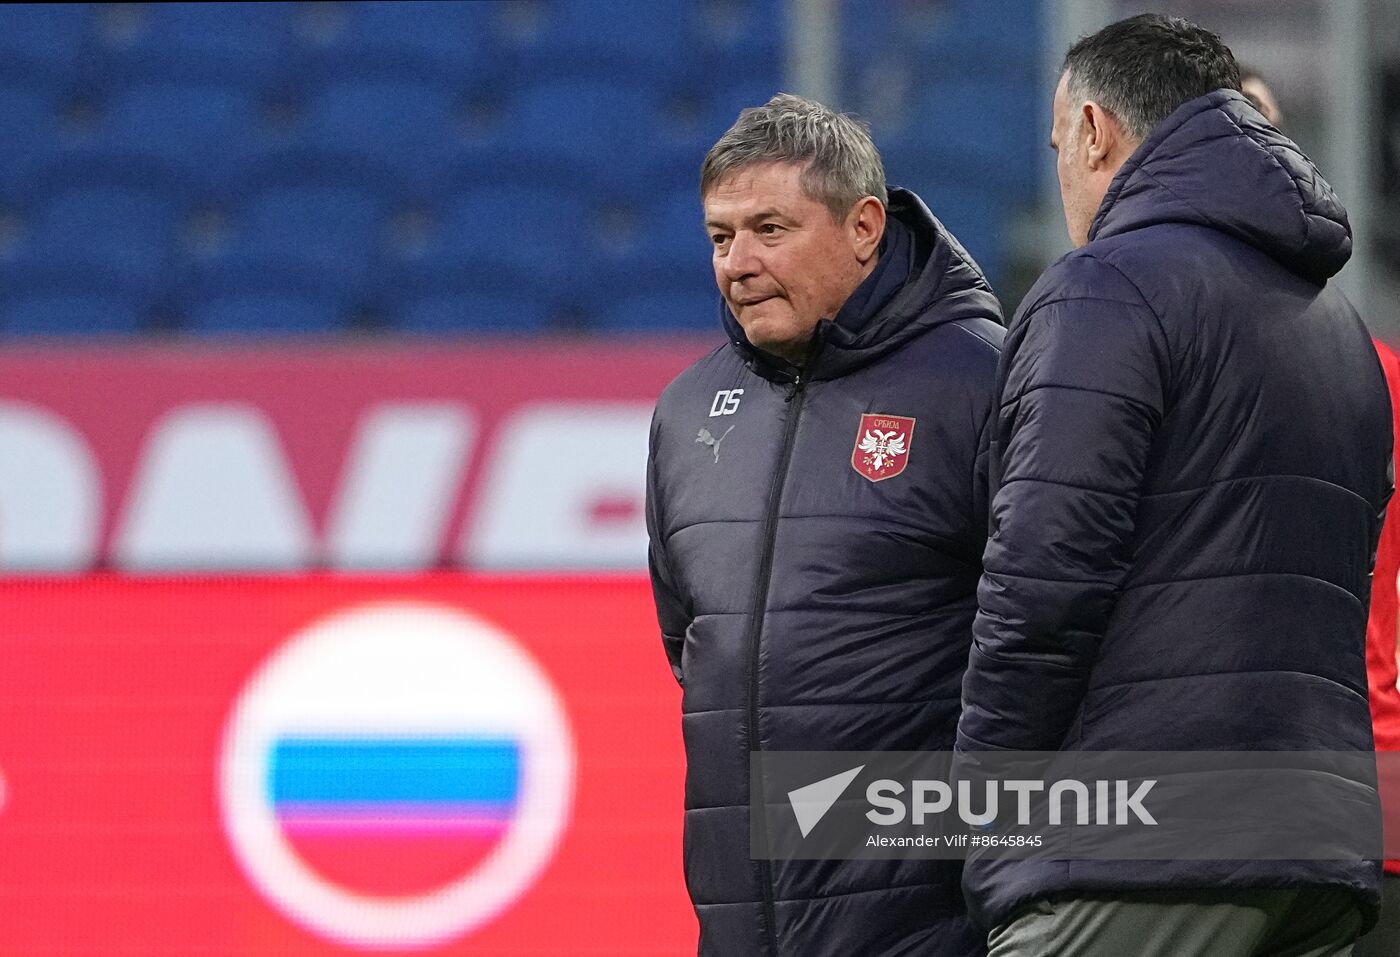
<point>780,341</point>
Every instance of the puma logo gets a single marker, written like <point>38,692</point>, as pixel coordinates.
<point>706,438</point>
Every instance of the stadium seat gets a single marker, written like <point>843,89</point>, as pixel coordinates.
<point>448,293</point>
<point>591,122</point>
<point>481,309</point>
<point>50,296</point>
<point>407,122</point>
<point>329,224</point>
<point>611,31</point>
<point>741,35</point>
<point>45,36</point>
<point>992,121</point>
<point>451,31</point>
<point>472,312</point>
<point>248,296</point>
<point>660,231</point>
<point>312,209</point>
<point>977,216</point>
<point>1006,33</point>
<point>954,36</point>
<point>31,119</point>
<point>523,228</point>
<point>667,307</point>
<point>189,124</point>
<point>251,40</point>
<point>131,226</point>
<point>111,210</point>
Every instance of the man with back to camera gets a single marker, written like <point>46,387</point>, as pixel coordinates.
<point>1383,940</point>
<point>1189,474</point>
<point>817,516</point>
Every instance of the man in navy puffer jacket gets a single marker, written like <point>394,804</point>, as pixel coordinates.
<point>817,517</point>
<point>1189,471</point>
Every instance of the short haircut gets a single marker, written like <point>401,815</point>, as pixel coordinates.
<point>1143,68</point>
<point>842,164</point>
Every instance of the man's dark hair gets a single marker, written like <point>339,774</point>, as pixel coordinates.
<point>1143,68</point>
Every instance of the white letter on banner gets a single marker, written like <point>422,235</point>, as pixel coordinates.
<point>400,481</point>
<point>882,794</point>
<point>556,468</point>
<point>923,806</point>
<point>50,492</point>
<point>214,491</point>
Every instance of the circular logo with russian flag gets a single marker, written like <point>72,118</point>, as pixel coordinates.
<point>396,775</point>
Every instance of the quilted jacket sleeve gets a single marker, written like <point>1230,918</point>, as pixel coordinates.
<point>670,609</point>
<point>1082,394</point>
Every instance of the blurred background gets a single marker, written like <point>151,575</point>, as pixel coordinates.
<point>329,336</point>
<point>528,167</point>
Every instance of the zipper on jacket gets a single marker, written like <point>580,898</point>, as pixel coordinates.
<point>765,574</point>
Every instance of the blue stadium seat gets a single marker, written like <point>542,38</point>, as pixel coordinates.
<point>523,228</point>
<point>590,122</point>
<point>952,89</point>
<point>743,32</point>
<point>446,293</point>
<point>1006,33</point>
<point>665,34</point>
<point>251,40</point>
<point>30,118</point>
<point>642,32</point>
<point>992,121</point>
<point>329,224</point>
<point>48,36</point>
<point>692,110</point>
<point>406,122</point>
<point>482,309</point>
<point>56,297</point>
<point>248,296</point>
<point>451,31</point>
<point>977,216</point>
<point>119,224</point>
<point>105,209</point>
<point>956,36</point>
<point>190,124</point>
<point>661,231</point>
<point>313,209</point>
<point>671,307</point>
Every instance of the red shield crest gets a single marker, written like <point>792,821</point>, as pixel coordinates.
<point>882,445</point>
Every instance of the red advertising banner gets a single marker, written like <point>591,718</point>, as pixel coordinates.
<point>322,765</point>
<point>169,459</point>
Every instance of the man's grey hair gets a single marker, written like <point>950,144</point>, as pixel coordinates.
<point>842,164</point>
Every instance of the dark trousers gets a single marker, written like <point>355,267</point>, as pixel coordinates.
<point>1310,922</point>
<point>1383,940</point>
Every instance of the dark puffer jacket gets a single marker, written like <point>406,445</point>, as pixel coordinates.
<point>806,607</point>
<point>1189,473</point>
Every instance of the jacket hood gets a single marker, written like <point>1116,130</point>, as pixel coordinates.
<point>1217,162</point>
<point>944,285</point>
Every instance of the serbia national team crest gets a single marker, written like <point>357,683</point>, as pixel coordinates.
<point>882,445</point>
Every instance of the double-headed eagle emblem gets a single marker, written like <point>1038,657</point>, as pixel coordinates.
<point>881,447</point>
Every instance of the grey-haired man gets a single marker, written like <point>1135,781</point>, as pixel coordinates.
<point>815,562</point>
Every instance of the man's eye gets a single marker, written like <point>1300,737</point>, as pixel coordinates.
<point>718,239</point>
<point>768,229</point>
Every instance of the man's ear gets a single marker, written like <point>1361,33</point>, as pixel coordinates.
<point>867,225</point>
<point>1103,136</point>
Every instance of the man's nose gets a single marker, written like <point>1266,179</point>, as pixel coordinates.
<point>740,260</point>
